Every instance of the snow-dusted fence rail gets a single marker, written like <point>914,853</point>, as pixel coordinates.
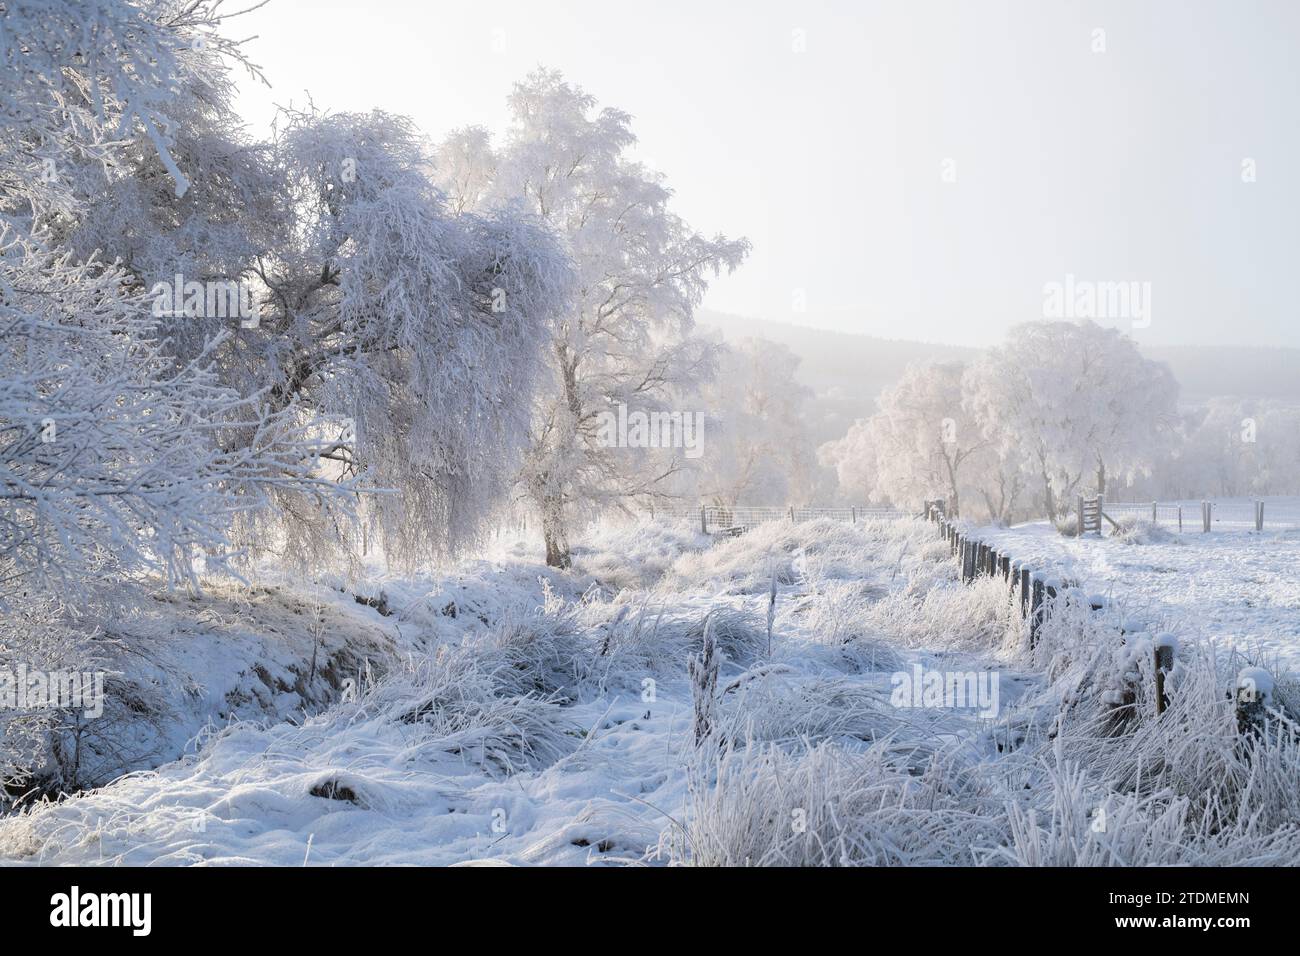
<point>715,519</point>
<point>1039,595</point>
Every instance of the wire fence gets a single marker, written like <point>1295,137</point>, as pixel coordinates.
<point>714,518</point>
<point>1188,516</point>
<point>1225,514</point>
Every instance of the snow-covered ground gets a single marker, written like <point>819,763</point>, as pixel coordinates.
<point>1236,587</point>
<point>544,717</point>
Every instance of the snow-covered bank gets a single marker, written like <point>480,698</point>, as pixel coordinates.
<point>550,721</point>
<point>174,664</point>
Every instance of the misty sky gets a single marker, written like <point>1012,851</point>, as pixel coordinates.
<point>1123,165</point>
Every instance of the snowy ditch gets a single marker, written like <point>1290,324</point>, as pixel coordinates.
<point>899,716</point>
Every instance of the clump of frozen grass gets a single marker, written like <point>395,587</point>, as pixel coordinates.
<point>636,554</point>
<point>738,636</point>
<point>1068,526</point>
<point>1138,531</point>
<point>946,616</point>
<point>776,705</point>
<point>655,632</point>
<point>838,616</point>
<point>803,552</point>
<point>459,707</point>
<point>541,654</point>
<point>822,805</point>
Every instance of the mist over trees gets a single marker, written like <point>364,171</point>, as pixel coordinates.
<point>1061,409</point>
<point>758,449</point>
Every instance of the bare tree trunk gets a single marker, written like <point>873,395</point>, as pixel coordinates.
<point>953,504</point>
<point>557,542</point>
<point>1101,476</point>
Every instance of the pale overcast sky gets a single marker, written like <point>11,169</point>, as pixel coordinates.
<point>822,131</point>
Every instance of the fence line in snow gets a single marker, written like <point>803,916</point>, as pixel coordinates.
<point>1206,514</point>
<point>1040,595</point>
<point>1203,516</point>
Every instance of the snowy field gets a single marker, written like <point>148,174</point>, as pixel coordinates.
<point>1230,585</point>
<point>531,716</point>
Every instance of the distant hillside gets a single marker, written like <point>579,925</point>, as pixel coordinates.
<point>848,371</point>
<point>1205,371</point>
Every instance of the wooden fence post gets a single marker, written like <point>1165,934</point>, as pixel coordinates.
<point>1252,695</point>
<point>854,511</point>
<point>1205,516</point>
<point>1164,664</point>
<point>1155,517</point>
<point>792,514</point>
<point>1259,516</point>
<point>1035,611</point>
<point>1180,519</point>
<point>1082,524</point>
<point>704,524</point>
<point>1024,591</point>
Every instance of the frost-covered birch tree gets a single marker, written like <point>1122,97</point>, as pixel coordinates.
<point>641,272</point>
<point>114,455</point>
<point>853,459</point>
<point>1072,400</point>
<point>83,78</point>
<point>924,437</point>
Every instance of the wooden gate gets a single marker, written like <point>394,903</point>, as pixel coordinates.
<point>1090,513</point>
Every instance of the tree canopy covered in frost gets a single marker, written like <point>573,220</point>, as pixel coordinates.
<point>113,456</point>
<point>923,436</point>
<point>393,348</point>
<point>85,78</point>
<point>424,327</point>
<point>1061,408</point>
<point>641,272</point>
<point>1071,401</point>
